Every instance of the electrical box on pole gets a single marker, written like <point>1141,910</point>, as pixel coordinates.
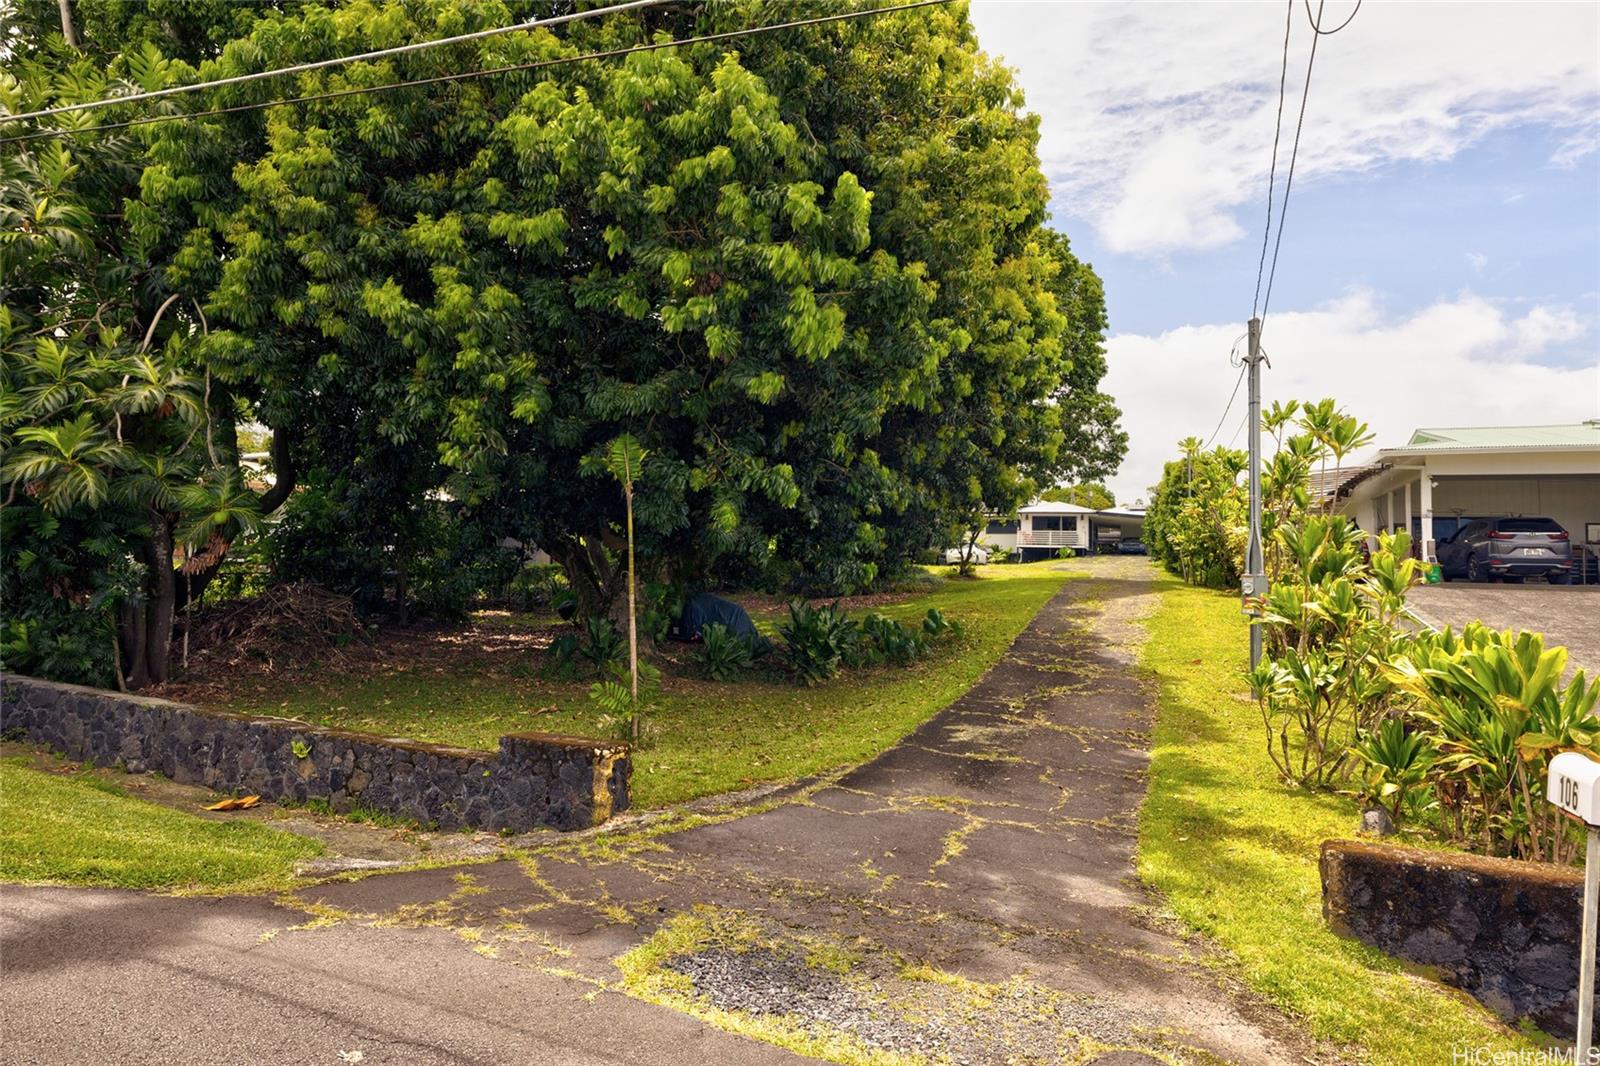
<point>1253,585</point>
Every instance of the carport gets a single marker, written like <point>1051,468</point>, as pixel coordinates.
<point>1111,527</point>
<point>1442,478</point>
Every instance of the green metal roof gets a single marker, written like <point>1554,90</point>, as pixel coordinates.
<point>1581,435</point>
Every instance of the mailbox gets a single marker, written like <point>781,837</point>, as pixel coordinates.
<point>1574,786</point>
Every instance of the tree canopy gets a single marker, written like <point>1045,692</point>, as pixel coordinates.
<point>806,271</point>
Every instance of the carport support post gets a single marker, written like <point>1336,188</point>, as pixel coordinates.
<point>1255,579</point>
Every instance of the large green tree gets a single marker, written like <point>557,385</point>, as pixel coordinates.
<point>805,271</point>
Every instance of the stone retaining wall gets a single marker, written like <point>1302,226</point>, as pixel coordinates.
<point>536,779</point>
<point>1505,931</point>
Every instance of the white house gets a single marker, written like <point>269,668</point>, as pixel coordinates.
<point>1041,530</point>
<point>1443,477</point>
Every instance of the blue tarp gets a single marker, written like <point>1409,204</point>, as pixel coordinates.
<point>704,609</point>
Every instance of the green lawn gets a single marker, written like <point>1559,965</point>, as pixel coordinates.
<point>709,737</point>
<point>82,830</point>
<point>1235,854</point>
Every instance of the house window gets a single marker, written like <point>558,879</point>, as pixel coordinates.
<point>1054,523</point>
<point>1002,527</point>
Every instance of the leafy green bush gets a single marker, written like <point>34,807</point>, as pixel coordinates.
<point>613,695</point>
<point>535,586</point>
<point>936,625</point>
<point>563,655</point>
<point>61,582</point>
<point>1331,626</point>
<point>887,641</point>
<point>725,654</point>
<point>817,640</point>
<point>1496,710</point>
<point>1396,761</point>
<point>603,643</point>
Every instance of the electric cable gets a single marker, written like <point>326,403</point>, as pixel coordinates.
<point>1231,397</point>
<point>464,75</point>
<point>1272,170</point>
<point>300,68</point>
<point>1316,23</point>
<point>1288,184</point>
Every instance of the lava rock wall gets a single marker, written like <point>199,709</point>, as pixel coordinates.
<point>1505,931</point>
<point>536,779</point>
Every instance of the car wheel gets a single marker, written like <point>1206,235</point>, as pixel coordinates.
<point>1560,577</point>
<point>1476,571</point>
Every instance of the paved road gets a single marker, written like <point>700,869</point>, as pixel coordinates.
<point>1565,614</point>
<point>996,844</point>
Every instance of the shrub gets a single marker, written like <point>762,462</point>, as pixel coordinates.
<point>1396,760</point>
<point>725,654</point>
<point>603,643</point>
<point>613,696</point>
<point>536,586</point>
<point>936,625</point>
<point>563,655</point>
<point>887,641</point>
<point>1497,711</point>
<point>1331,627</point>
<point>818,640</point>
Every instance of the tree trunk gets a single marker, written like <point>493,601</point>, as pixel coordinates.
<point>163,585</point>
<point>68,29</point>
<point>135,634</point>
<point>591,574</point>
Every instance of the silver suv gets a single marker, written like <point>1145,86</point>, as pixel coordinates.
<point>1508,547</point>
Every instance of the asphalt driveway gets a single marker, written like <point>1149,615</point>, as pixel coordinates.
<point>1565,614</point>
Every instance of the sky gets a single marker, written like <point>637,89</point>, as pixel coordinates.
<point>1440,259</point>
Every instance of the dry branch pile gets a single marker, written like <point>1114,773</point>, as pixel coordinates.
<point>296,623</point>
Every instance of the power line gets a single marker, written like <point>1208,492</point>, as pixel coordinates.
<point>1231,397</point>
<point>1316,23</point>
<point>320,64</point>
<point>1294,153</point>
<point>538,65</point>
<point>1242,423</point>
<point>1277,131</point>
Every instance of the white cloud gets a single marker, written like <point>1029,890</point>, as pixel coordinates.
<point>1158,117</point>
<point>1465,361</point>
<point>1478,261</point>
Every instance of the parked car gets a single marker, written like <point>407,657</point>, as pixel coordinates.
<point>980,555</point>
<point>1526,546</point>
<point>1130,546</point>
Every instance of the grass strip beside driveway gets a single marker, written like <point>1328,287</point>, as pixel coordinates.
<point>709,737</point>
<point>79,829</point>
<point>1235,854</point>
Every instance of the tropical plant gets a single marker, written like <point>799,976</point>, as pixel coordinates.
<point>1198,516</point>
<point>109,424</point>
<point>724,654</point>
<point>623,459</point>
<point>1331,627</point>
<point>1498,711</point>
<point>626,711</point>
<point>885,640</point>
<point>1395,761</point>
<point>602,643</point>
<point>936,625</point>
<point>817,640</point>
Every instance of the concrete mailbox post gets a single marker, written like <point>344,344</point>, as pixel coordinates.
<point>1574,786</point>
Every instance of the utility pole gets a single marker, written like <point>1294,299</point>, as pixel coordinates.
<point>1254,584</point>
